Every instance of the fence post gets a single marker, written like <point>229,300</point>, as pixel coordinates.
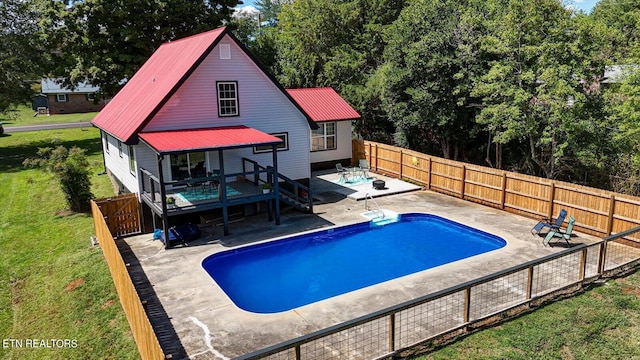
<point>529,282</point>
<point>503,198</point>
<point>552,194</point>
<point>602,258</point>
<point>392,332</point>
<point>467,304</point>
<point>464,178</point>
<point>583,261</point>
<point>376,158</point>
<point>612,206</point>
<point>429,179</point>
<point>401,163</point>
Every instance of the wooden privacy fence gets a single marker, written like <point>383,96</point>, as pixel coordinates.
<point>597,212</point>
<point>143,333</point>
<point>122,214</point>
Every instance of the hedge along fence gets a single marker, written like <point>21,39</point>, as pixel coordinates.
<point>143,333</point>
<point>597,212</point>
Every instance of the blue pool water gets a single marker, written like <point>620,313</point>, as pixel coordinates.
<point>287,273</point>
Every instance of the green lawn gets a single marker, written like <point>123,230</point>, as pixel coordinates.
<point>23,115</point>
<point>53,283</point>
<point>603,323</point>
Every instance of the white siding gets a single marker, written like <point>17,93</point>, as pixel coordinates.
<point>119,166</point>
<point>343,145</point>
<point>261,104</point>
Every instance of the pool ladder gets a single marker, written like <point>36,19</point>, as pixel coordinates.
<point>366,205</point>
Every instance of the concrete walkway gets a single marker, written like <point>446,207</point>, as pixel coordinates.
<point>192,307</point>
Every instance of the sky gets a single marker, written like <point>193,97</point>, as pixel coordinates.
<point>584,5</point>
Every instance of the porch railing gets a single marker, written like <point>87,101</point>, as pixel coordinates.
<point>293,192</point>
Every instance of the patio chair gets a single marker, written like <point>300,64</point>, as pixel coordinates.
<point>344,173</point>
<point>559,235</point>
<point>548,223</point>
<point>364,167</point>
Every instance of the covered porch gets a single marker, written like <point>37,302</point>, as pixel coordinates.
<point>207,188</point>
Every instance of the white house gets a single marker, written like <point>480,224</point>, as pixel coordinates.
<point>202,123</point>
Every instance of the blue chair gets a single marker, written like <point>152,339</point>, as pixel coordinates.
<point>551,225</point>
<point>566,235</point>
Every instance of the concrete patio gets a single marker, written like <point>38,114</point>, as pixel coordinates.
<point>196,319</point>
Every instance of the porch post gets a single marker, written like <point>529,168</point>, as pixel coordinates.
<point>276,188</point>
<point>223,192</point>
<point>163,199</point>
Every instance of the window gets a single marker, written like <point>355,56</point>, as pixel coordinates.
<point>227,98</point>
<point>324,138</point>
<point>61,98</point>
<point>106,142</point>
<point>120,148</point>
<point>283,146</point>
<point>191,165</point>
<point>91,97</point>
<point>132,161</point>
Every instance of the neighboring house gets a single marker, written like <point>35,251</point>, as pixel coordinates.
<point>201,112</point>
<point>62,100</point>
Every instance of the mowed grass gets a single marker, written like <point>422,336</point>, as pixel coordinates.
<point>602,323</point>
<point>23,115</point>
<point>53,283</point>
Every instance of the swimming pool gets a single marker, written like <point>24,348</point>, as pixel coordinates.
<point>285,274</point>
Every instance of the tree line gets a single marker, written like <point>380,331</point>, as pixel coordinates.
<point>512,84</point>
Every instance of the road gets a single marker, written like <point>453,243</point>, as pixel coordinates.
<point>12,129</point>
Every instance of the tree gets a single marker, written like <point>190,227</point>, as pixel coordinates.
<point>19,57</point>
<point>71,168</point>
<point>431,62</point>
<point>105,41</point>
<point>533,92</point>
<point>339,44</point>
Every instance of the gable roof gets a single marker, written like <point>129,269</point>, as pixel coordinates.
<point>54,86</point>
<point>159,78</point>
<point>323,104</point>
<point>154,83</point>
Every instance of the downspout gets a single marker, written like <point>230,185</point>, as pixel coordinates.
<point>104,159</point>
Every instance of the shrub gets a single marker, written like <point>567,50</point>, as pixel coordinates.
<point>72,171</point>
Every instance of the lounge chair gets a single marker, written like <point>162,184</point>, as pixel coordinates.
<point>364,167</point>
<point>551,225</point>
<point>344,173</point>
<point>566,235</point>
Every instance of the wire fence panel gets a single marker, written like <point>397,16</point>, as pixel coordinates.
<point>288,354</point>
<point>496,295</point>
<point>619,254</point>
<point>591,261</point>
<point>364,341</point>
<point>556,274</point>
<point>429,319</point>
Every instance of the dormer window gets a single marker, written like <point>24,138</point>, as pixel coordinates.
<point>227,98</point>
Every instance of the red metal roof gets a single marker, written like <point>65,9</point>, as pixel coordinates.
<point>206,139</point>
<point>323,104</point>
<point>153,84</point>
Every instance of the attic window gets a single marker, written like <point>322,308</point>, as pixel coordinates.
<point>225,51</point>
<point>227,98</point>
